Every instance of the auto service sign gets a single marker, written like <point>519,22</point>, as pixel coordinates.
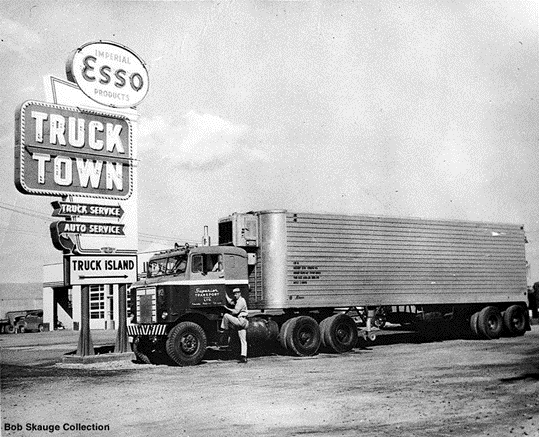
<point>109,73</point>
<point>63,150</point>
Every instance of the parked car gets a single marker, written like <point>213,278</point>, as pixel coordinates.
<point>33,321</point>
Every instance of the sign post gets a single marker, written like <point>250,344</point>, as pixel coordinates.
<point>121,336</point>
<point>85,346</point>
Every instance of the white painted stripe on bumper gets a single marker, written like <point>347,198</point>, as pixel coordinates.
<point>146,330</point>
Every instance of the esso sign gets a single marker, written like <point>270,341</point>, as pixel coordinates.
<point>109,74</point>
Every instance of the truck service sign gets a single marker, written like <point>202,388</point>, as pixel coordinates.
<point>71,209</point>
<point>62,150</point>
<point>109,74</point>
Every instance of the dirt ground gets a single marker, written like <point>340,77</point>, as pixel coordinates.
<point>400,386</point>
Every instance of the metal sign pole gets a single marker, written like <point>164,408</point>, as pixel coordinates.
<point>85,346</point>
<point>121,335</point>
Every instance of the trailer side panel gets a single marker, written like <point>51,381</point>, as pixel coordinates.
<point>335,260</point>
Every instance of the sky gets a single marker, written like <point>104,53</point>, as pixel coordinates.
<point>405,108</point>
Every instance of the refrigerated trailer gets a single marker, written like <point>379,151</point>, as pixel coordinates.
<point>305,276</point>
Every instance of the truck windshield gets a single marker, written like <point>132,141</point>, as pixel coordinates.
<point>157,267</point>
<point>167,266</point>
<point>176,264</point>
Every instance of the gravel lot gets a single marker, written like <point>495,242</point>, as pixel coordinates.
<point>401,385</point>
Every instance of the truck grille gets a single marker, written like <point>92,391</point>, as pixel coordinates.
<point>146,307</point>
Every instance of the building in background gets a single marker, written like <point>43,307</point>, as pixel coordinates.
<point>18,296</point>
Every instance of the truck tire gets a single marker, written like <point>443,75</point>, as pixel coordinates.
<point>186,344</point>
<point>490,323</point>
<point>10,329</point>
<point>141,350</point>
<point>339,333</point>
<point>303,336</point>
<point>514,320</point>
<point>473,324</point>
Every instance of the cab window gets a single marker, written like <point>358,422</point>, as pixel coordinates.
<point>204,263</point>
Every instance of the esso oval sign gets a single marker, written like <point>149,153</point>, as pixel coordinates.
<point>109,74</point>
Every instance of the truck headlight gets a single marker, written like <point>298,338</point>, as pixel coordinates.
<point>164,315</point>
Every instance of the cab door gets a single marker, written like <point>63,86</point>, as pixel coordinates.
<point>207,284</point>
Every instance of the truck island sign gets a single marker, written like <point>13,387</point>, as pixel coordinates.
<point>100,269</point>
<point>109,74</point>
<point>62,150</point>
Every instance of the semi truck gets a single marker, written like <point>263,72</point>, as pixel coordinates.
<point>306,275</point>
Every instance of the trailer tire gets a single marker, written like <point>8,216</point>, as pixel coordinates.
<point>473,324</point>
<point>339,333</point>
<point>303,336</point>
<point>490,323</point>
<point>514,320</point>
<point>186,344</point>
<point>141,350</point>
<point>283,334</point>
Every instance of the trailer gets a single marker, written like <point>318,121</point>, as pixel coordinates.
<point>305,276</point>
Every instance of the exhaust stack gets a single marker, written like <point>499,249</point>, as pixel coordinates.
<point>206,240</point>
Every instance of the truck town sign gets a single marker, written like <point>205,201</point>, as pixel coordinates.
<point>61,150</point>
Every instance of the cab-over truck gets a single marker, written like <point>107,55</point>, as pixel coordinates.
<point>304,276</point>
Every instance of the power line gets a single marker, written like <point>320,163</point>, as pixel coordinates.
<point>142,236</point>
<point>29,214</point>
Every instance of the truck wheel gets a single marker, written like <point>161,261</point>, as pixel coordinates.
<point>186,344</point>
<point>473,324</point>
<point>514,320</point>
<point>10,329</point>
<point>339,333</point>
<point>141,350</point>
<point>303,336</point>
<point>21,329</point>
<point>489,322</point>
<point>40,328</point>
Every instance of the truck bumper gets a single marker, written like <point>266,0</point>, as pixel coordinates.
<point>146,330</point>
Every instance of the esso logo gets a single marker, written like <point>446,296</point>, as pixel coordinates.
<point>109,74</point>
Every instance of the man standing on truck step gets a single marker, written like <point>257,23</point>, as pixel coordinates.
<point>237,318</point>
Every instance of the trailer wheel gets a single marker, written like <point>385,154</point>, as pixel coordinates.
<point>514,320</point>
<point>186,344</point>
<point>283,334</point>
<point>339,333</point>
<point>303,336</point>
<point>490,323</point>
<point>142,351</point>
<point>473,324</point>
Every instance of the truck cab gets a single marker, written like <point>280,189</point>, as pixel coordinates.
<point>189,280</point>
